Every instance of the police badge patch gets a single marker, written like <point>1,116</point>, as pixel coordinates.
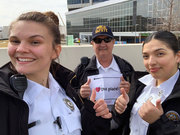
<point>69,104</point>
<point>173,115</point>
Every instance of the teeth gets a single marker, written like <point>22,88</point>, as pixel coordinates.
<point>25,60</point>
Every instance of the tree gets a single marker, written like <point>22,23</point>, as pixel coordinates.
<point>165,15</point>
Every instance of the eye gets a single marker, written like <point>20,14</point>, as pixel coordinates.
<point>145,56</point>
<point>160,54</point>
<point>14,41</point>
<point>35,42</point>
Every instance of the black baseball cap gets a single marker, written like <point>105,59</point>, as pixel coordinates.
<point>102,30</point>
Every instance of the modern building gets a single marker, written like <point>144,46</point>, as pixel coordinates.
<point>130,20</point>
<point>4,32</point>
<point>76,4</point>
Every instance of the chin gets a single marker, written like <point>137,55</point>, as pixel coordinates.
<point>21,71</point>
<point>155,76</point>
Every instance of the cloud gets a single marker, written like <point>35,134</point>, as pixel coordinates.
<point>11,9</point>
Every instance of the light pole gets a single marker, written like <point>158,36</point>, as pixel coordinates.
<point>135,32</point>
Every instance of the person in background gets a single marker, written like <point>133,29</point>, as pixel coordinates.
<point>79,41</point>
<point>109,68</point>
<point>36,97</point>
<point>153,104</point>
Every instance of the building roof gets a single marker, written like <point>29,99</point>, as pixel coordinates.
<point>98,5</point>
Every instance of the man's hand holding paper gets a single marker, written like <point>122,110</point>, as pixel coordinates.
<point>107,87</point>
<point>85,90</point>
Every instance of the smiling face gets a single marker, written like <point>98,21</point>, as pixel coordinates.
<point>30,48</point>
<point>160,61</point>
<point>103,49</point>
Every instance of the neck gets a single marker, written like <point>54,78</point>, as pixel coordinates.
<point>160,81</point>
<point>39,79</point>
<point>105,61</point>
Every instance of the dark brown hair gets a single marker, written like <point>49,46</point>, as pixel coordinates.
<point>44,19</point>
<point>53,16</point>
<point>167,37</point>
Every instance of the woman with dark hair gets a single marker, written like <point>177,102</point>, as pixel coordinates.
<point>36,97</point>
<point>153,104</point>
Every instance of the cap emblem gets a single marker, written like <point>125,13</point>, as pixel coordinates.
<point>101,29</point>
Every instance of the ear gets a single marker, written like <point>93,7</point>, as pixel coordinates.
<point>57,51</point>
<point>92,43</point>
<point>114,41</point>
<point>178,57</point>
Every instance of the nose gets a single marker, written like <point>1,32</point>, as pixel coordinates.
<point>152,60</point>
<point>103,43</point>
<point>22,47</point>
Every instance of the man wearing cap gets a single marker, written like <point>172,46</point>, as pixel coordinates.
<point>104,72</point>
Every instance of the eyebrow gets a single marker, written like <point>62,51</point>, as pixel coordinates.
<point>12,37</point>
<point>159,49</point>
<point>29,37</point>
<point>37,36</point>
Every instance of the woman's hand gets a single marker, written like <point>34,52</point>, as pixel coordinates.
<point>121,102</point>
<point>100,106</point>
<point>149,112</point>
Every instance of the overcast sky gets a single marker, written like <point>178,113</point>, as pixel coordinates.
<point>11,9</point>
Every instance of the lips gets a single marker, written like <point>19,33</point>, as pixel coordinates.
<point>154,69</point>
<point>24,59</point>
<point>102,48</point>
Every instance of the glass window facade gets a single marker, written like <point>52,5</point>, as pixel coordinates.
<point>85,1</point>
<point>127,16</point>
<point>99,0</point>
<point>118,17</point>
<point>74,1</point>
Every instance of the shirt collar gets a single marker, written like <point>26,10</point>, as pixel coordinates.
<point>112,66</point>
<point>53,85</point>
<point>34,89</point>
<point>148,80</point>
<point>166,86</point>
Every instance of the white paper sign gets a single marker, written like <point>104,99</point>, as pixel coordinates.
<point>107,87</point>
